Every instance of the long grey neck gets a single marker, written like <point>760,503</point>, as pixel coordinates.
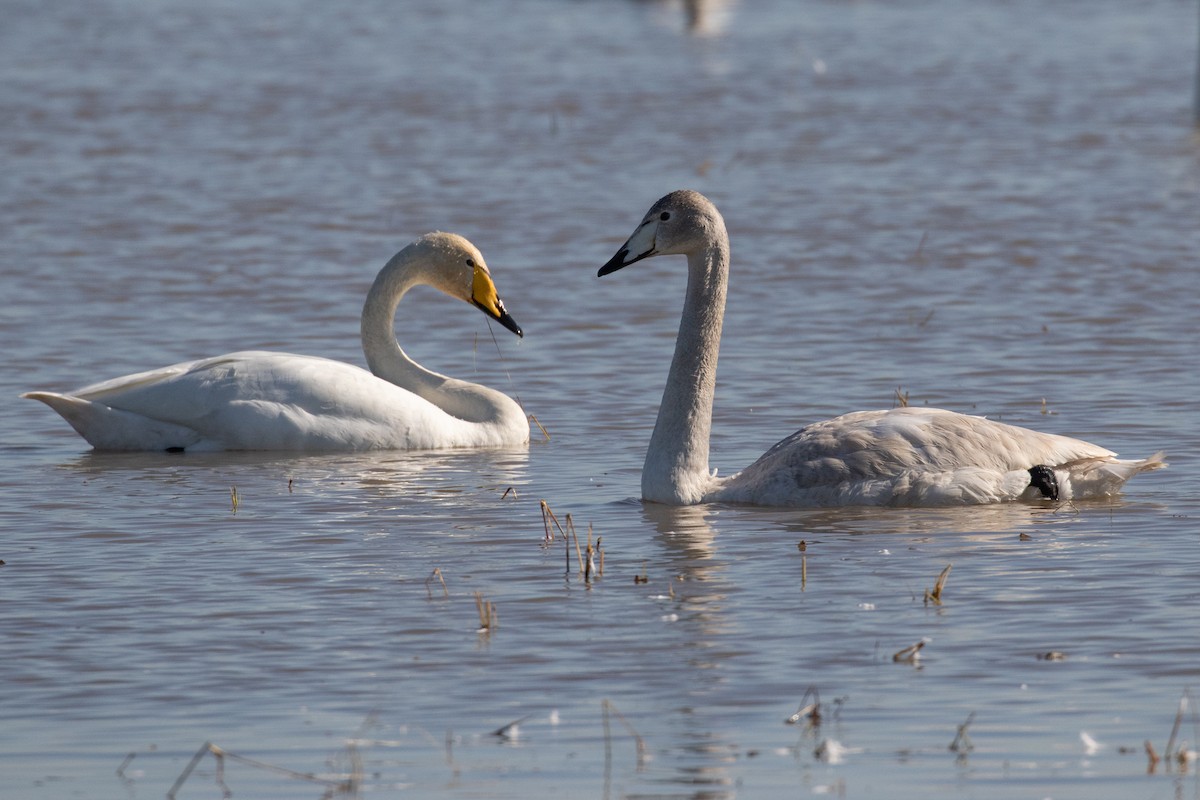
<point>676,469</point>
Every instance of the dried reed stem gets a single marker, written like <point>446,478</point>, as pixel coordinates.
<point>810,709</point>
<point>910,653</point>
<point>934,595</point>
<point>803,547</point>
<point>575,536</point>
<point>547,518</point>
<point>488,618</point>
<point>1184,704</point>
<point>540,427</point>
<point>437,573</point>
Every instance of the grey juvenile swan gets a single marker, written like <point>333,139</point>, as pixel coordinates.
<point>901,457</point>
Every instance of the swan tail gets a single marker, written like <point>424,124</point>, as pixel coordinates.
<point>1103,477</point>
<point>107,428</point>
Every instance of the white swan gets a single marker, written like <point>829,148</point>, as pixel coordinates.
<point>901,457</point>
<point>256,400</point>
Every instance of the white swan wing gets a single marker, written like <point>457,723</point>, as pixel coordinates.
<point>257,400</point>
<point>912,456</point>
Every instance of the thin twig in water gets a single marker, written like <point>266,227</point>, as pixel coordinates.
<point>510,490</point>
<point>607,707</point>
<point>918,256</point>
<point>121,770</point>
<point>901,399</point>
<point>962,740</point>
<point>234,500</point>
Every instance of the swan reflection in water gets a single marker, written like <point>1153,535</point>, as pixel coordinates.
<point>409,478</point>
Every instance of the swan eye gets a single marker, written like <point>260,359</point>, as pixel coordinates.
<point>666,215</point>
<point>471,263</point>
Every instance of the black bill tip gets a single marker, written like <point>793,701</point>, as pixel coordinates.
<point>614,263</point>
<point>503,318</point>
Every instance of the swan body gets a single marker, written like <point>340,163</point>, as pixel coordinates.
<point>256,400</point>
<point>899,457</point>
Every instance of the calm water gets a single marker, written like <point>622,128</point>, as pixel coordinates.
<point>995,209</point>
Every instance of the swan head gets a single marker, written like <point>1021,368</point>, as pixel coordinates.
<point>682,222</point>
<point>458,269</point>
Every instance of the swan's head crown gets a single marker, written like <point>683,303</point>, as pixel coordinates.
<point>456,267</point>
<point>682,222</point>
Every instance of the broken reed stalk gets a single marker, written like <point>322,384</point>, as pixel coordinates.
<point>510,490</point>
<point>909,654</point>
<point>607,707</point>
<point>488,618</point>
<point>437,573</point>
<point>810,709</point>
<point>234,500</point>
<point>545,432</point>
<point>934,595</point>
<point>901,398</point>
<point>547,518</point>
<point>509,731</point>
<point>348,786</point>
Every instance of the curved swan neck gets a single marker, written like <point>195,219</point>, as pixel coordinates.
<point>676,469</point>
<point>387,360</point>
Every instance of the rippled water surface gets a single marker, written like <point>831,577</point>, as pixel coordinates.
<point>993,208</point>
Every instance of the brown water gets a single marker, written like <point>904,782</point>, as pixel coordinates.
<point>994,208</point>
